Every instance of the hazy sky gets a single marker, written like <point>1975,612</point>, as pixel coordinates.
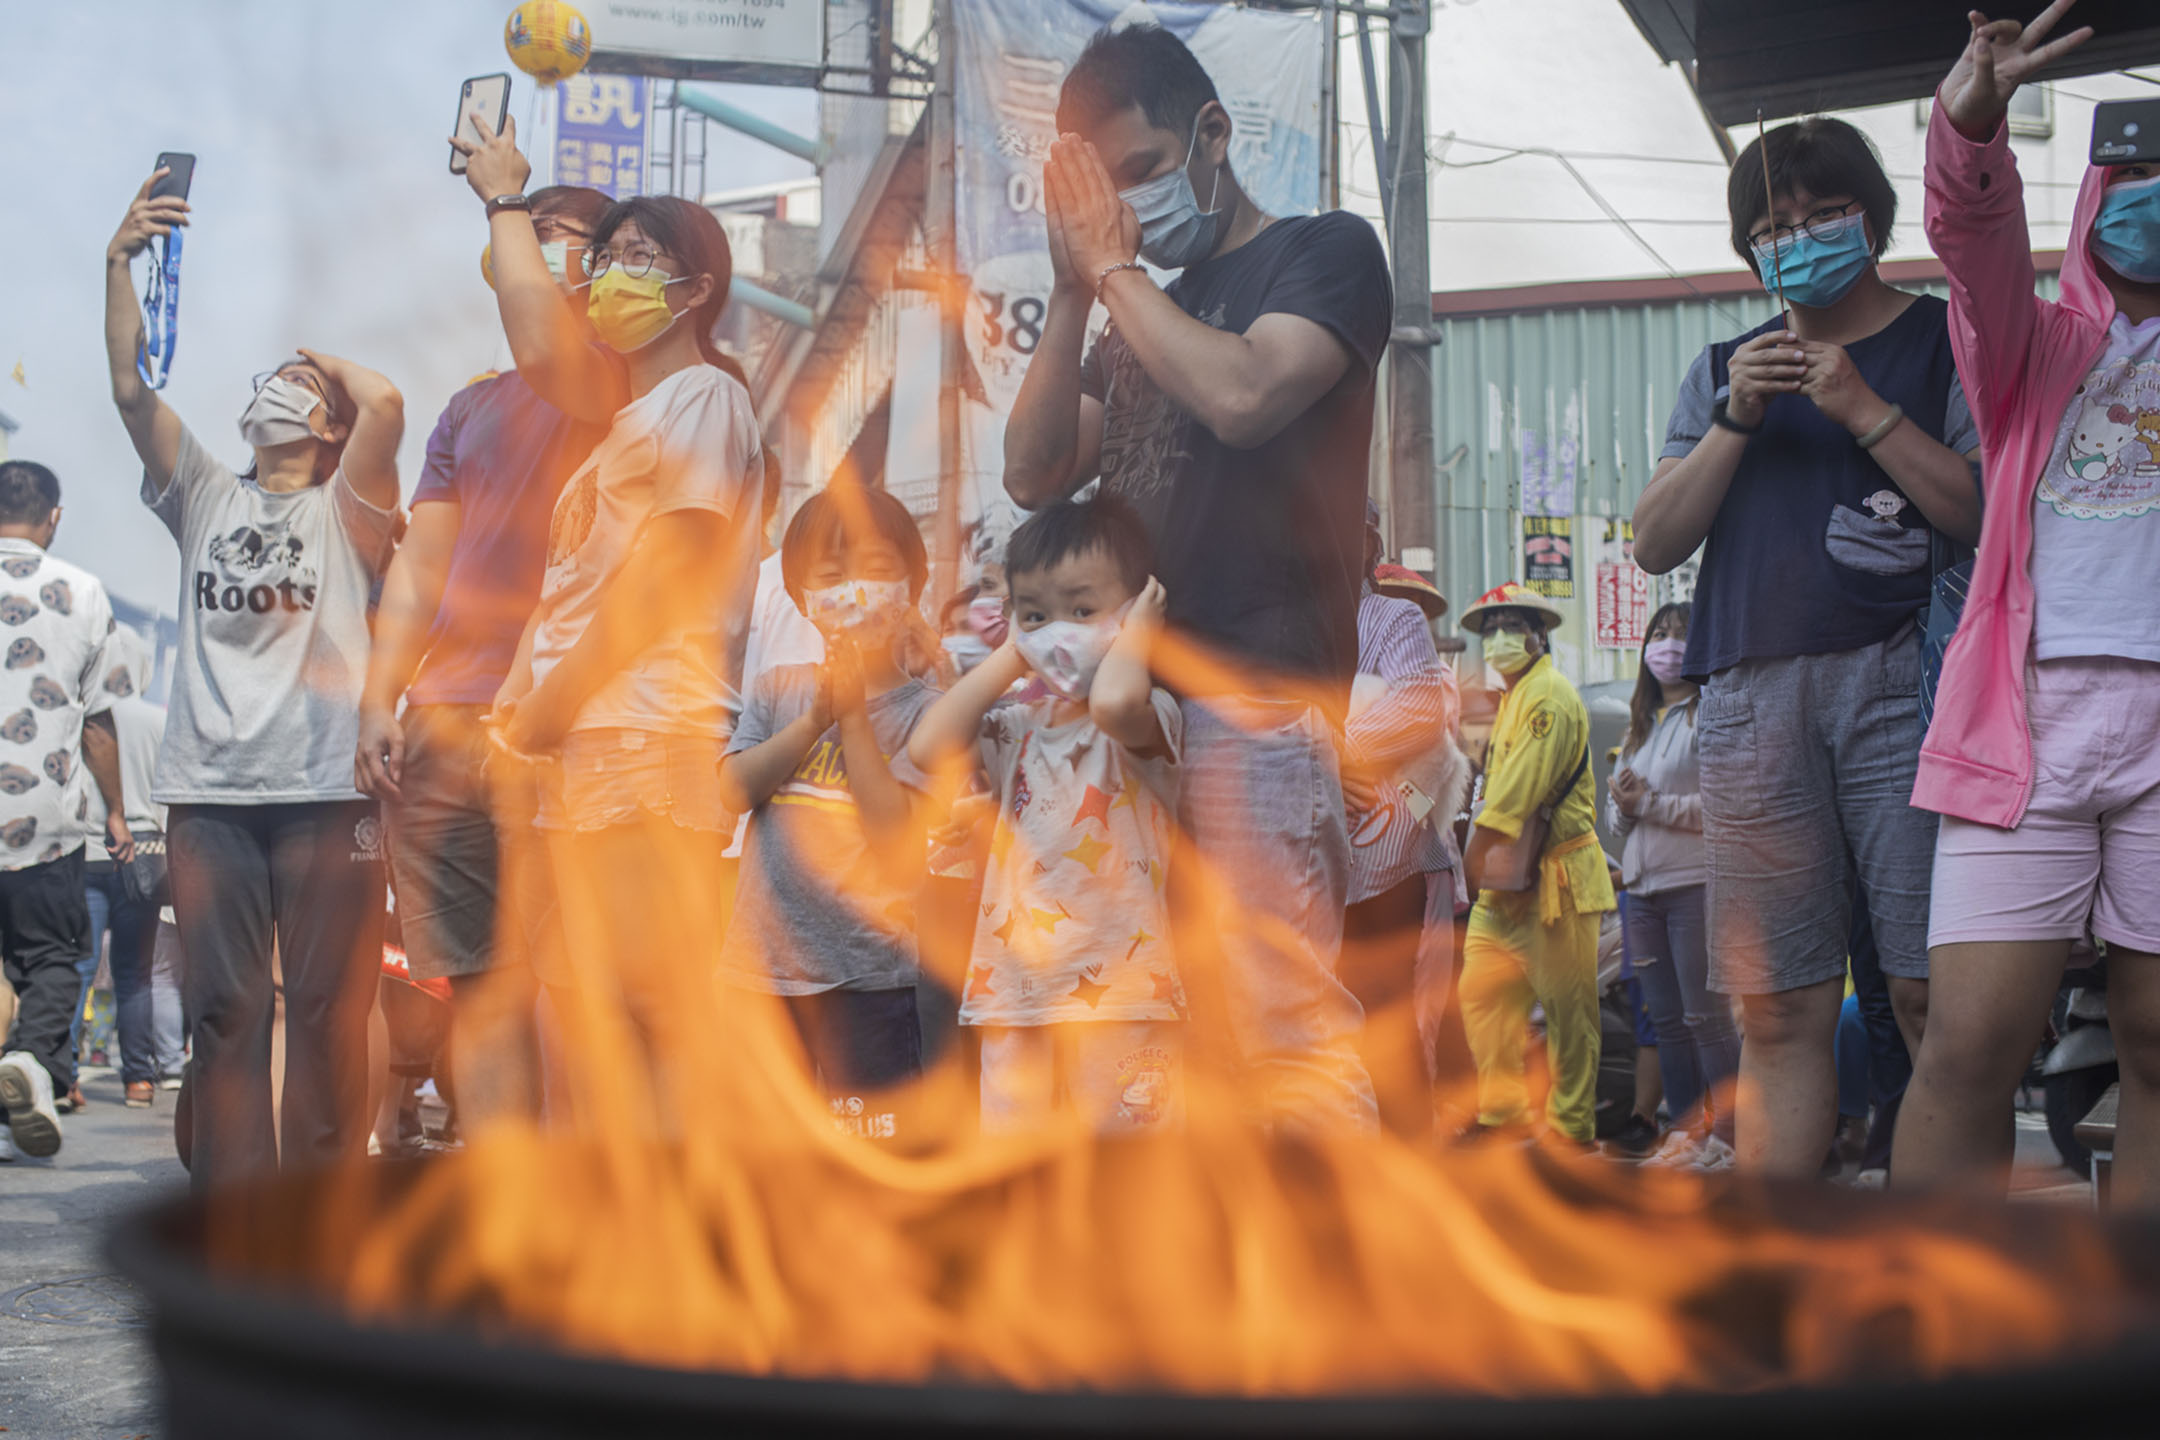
<point>324,216</point>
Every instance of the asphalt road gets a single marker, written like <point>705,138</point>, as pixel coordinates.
<point>74,1353</point>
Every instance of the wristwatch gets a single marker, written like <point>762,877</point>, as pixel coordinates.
<point>508,202</point>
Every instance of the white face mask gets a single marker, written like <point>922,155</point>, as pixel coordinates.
<point>278,415</point>
<point>1174,231</point>
<point>1067,653</point>
<point>857,608</point>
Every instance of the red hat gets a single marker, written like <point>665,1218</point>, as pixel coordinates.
<point>1511,596</point>
<point>1403,583</point>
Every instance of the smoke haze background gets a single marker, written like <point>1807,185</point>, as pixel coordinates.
<point>324,215</point>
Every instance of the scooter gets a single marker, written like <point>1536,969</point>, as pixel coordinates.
<point>2076,1062</point>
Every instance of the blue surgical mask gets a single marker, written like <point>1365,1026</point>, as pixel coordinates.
<point>1818,273</point>
<point>1174,231</point>
<point>2126,232</point>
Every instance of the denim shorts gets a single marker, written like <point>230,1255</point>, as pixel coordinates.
<point>610,777</point>
<point>1807,776</point>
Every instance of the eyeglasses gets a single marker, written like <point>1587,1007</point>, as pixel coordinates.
<point>1822,225</point>
<point>636,261</point>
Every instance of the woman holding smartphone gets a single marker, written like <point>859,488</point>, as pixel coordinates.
<point>270,845</point>
<point>628,675</point>
<point>1656,809</point>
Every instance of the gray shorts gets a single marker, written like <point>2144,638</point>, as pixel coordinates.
<point>443,851</point>
<point>1807,777</point>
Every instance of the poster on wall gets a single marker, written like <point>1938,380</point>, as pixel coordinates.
<point>1548,547</point>
<point>600,134</point>
<point>1623,590</point>
<point>1011,58</point>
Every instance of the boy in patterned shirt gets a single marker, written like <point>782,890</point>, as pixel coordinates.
<point>1071,979</point>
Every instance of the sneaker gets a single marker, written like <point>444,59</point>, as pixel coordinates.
<point>1681,1149</point>
<point>139,1094</point>
<point>1635,1139</point>
<point>171,1080</point>
<point>1871,1180</point>
<point>26,1094</point>
<point>1716,1155</point>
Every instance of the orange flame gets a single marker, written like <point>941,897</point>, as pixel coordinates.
<point>703,1210</point>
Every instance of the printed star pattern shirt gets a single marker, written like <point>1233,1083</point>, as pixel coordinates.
<point>1074,925</point>
<point>56,624</point>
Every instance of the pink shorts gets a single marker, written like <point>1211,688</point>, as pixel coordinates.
<point>2088,849</point>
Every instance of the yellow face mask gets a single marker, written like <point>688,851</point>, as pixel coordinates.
<point>1508,652</point>
<point>630,313</point>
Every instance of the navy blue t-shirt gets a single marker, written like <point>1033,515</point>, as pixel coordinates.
<point>1815,549</point>
<point>501,454</point>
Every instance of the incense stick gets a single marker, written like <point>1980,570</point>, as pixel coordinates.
<point>1777,268</point>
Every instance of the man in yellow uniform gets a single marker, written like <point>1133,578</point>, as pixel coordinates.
<point>1538,943</point>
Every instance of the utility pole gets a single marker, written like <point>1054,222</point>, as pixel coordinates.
<point>1416,521</point>
<point>940,235</point>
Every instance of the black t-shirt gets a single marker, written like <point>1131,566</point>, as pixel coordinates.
<point>1261,550</point>
<point>1815,550</point>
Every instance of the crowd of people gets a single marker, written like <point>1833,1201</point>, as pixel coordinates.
<point>1187,746</point>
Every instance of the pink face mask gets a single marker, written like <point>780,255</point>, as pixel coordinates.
<point>986,618</point>
<point>1664,658</point>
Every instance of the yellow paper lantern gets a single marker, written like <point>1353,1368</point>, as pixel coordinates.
<point>548,40</point>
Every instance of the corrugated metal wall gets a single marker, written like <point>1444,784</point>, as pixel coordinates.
<point>1579,393</point>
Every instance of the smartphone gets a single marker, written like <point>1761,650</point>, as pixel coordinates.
<point>180,174</point>
<point>2126,132</point>
<point>484,97</point>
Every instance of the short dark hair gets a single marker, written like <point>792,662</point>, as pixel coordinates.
<point>823,523</point>
<point>1065,528</point>
<point>579,204</point>
<point>692,235</point>
<point>1143,65</point>
<point>1820,155</point>
<point>28,492</point>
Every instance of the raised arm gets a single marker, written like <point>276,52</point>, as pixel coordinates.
<point>1121,702</point>
<point>411,594</point>
<point>151,424</point>
<point>1975,209</point>
<point>947,733</point>
<point>548,337</point>
<point>370,460</point>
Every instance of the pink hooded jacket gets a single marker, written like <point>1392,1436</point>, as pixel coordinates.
<point>2021,359</point>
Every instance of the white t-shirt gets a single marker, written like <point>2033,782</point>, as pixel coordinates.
<point>690,443</point>
<point>780,635</point>
<point>55,624</point>
<point>2096,513</point>
<point>273,634</point>
<point>1075,923</point>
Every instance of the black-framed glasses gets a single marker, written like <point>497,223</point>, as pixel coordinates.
<point>636,260</point>
<point>1822,225</point>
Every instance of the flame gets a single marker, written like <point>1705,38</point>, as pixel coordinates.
<point>703,1210</point>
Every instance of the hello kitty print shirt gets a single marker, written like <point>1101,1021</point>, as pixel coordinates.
<point>55,626</point>
<point>2096,510</point>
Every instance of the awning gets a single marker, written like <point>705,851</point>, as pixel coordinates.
<point>1797,57</point>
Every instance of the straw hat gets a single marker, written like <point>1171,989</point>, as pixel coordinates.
<point>1403,583</point>
<point>1511,596</point>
